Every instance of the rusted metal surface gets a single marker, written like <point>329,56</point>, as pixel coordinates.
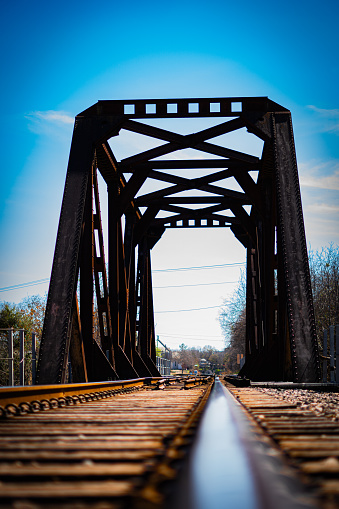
<point>17,395</point>
<point>51,396</point>
<point>116,452</point>
<point>309,441</point>
<point>280,334</point>
<point>298,293</point>
<point>192,382</point>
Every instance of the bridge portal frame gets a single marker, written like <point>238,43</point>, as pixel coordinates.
<point>280,328</point>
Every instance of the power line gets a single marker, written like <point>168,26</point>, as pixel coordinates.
<point>42,281</point>
<point>198,284</point>
<point>183,310</point>
<point>236,264</point>
<point>205,340</point>
<point>179,269</point>
<point>24,285</point>
<point>186,335</point>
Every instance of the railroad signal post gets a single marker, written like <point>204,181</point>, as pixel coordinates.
<point>280,332</point>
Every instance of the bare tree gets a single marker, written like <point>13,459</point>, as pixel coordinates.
<point>324,269</point>
<point>232,319</point>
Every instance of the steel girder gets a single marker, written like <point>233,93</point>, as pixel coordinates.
<point>105,325</point>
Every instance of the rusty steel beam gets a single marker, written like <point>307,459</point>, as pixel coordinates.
<point>189,164</point>
<point>180,108</point>
<point>293,251</point>
<point>53,354</point>
<point>145,323</point>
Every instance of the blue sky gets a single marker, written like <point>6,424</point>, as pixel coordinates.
<point>60,57</point>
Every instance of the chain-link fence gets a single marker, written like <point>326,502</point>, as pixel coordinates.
<point>330,355</point>
<point>18,357</point>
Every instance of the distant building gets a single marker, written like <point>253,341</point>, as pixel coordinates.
<point>204,363</point>
<point>175,364</point>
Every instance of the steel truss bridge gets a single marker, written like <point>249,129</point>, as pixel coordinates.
<point>280,328</point>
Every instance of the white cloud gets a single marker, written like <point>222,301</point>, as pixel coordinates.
<point>321,220</point>
<point>52,116</point>
<point>324,112</point>
<point>323,208</point>
<point>328,120</point>
<point>50,123</point>
<point>321,176</point>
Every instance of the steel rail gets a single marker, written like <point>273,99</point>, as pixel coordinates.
<point>37,393</point>
<point>231,465</point>
<point>15,395</point>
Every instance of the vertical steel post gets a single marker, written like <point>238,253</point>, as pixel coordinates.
<point>337,353</point>
<point>72,247</point>
<point>332,377</point>
<point>130,274</point>
<point>113,259</point>
<point>22,357</point>
<point>10,357</point>
<point>325,356</point>
<point>151,326</point>
<point>293,247</point>
<point>69,365</point>
<point>33,357</point>
<point>86,281</point>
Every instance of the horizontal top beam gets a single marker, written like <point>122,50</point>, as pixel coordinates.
<point>185,164</point>
<point>183,108</point>
<point>193,200</point>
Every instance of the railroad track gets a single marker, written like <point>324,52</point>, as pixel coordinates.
<point>111,445</point>
<point>123,445</point>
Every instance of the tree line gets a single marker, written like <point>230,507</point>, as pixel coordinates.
<point>324,271</point>
<point>193,358</point>
<point>28,315</point>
